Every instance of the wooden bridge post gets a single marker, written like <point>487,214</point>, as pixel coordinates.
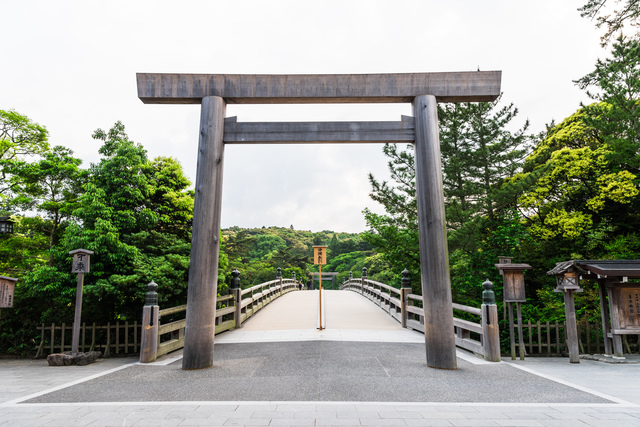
<point>205,243</point>
<point>237,297</point>
<point>405,290</point>
<point>490,327</point>
<point>150,317</point>
<point>434,259</point>
<point>279,277</point>
<point>363,279</point>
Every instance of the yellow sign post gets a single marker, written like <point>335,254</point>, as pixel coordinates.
<point>320,259</point>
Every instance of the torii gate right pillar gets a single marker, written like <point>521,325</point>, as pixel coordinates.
<point>434,254</point>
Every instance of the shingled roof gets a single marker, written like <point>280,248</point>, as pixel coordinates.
<point>605,268</point>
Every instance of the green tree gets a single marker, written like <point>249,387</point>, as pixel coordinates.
<point>615,86</point>
<point>135,215</point>
<point>52,186</point>
<point>478,153</point>
<point>612,20</point>
<point>20,139</point>
<point>578,190</point>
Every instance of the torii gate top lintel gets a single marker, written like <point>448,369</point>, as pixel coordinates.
<point>466,86</point>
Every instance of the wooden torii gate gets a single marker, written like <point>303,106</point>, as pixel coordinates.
<point>214,91</point>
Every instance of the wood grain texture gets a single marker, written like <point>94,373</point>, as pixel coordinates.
<point>571,328</point>
<point>205,243</point>
<point>490,333</point>
<point>318,132</point>
<point>149,338</point>
<point>472,86</point>
<point>434,259</point>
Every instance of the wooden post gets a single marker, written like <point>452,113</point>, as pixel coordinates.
<point>320,295</point>
<point>618,352</point>
<point>205,243</point>
<point>571,328</point>
<point>490,327</point>
<point>604,314</point>
<point>434,259</point>
<point>520,334</point>
<point>512,339</point>
<point>77,316</point>
<point>405,290</point>
<point>150,318</point>
<point>80,265</point>
<point>237,296</point>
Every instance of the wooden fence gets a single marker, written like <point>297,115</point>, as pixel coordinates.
<point>124,338</point>
<point>119,338</point>
<point>549,338</point>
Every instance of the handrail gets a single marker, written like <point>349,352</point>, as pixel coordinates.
<point>408,310</point>
<point>231,311</point>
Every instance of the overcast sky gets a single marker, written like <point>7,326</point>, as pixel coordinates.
<point>71,66</point>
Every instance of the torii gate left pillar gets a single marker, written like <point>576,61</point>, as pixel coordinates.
<point>424,90</point>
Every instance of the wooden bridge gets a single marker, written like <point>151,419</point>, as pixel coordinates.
<point>362,310</point>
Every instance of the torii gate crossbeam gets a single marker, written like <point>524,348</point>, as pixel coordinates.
<point>214,91</point>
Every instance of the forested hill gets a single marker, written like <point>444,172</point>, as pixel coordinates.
<point>258,252</point>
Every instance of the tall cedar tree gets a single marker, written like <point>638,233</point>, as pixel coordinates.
<point>478,153</point>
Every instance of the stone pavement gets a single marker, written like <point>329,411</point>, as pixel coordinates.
<point>350,376</point>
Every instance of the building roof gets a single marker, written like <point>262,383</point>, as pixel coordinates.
<point>605,268</point>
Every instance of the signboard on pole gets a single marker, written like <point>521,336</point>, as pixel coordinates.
<point>7,286</point>
<point>320,255</point>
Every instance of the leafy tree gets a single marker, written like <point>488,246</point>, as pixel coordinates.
<point>169,196</point>
<point>266,245</point>
<point>135,215</point>
<point>613,21</point>
<point>478,153</point>
<point>615,85</point>
<point>578,190</point>
<point>20,138</point>
<point>52,186</point>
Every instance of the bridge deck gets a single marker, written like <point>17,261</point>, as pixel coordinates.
<point>343,310</point>
<point>293,317</point>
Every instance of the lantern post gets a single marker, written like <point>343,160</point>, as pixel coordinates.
<point>568,283</point>
<point>80,266</point>
<point>514,291</point>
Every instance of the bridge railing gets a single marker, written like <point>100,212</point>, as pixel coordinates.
<point>231,311</point>
<point>479,337</point>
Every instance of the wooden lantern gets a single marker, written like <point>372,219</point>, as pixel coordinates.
<point>513,280</point>
<point>6,225</point>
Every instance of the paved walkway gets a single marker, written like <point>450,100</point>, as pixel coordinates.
<point>360,375</point>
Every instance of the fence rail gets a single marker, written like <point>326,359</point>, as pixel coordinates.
<point>231,311</point>
<point>119,338</point>
<point>481,338</point>
<point>125,338</point>
<point>549,338</point>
